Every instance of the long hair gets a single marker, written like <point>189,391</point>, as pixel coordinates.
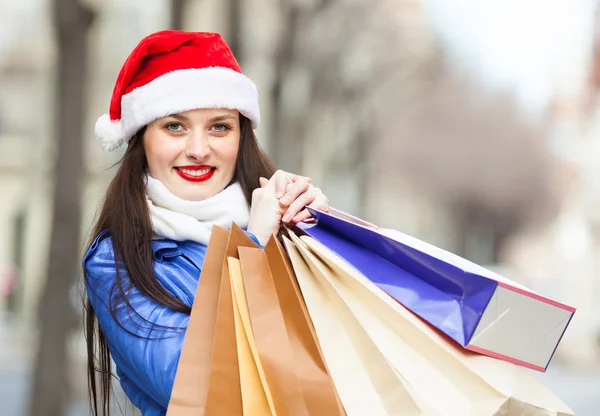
<point>124,213</point>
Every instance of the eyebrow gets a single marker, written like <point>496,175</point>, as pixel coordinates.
<point>181,117</point>
<point>222,118</point>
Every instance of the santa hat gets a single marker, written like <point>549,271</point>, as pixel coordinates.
<point>170,72</point>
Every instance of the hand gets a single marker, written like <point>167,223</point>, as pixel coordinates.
<point>265,211</point>
<point>299,195</point>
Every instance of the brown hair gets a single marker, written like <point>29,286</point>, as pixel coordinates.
<point>127,220</point>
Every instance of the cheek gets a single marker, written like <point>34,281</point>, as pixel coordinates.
<point>233,153</point>
<point>160,152</point>
<point>229,152</point>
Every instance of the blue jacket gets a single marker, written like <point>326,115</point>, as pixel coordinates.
<point>146,367</point>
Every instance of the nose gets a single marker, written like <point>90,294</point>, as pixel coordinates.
<point>198,146</point>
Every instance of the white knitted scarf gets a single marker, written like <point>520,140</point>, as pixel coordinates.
<point>177,219</point>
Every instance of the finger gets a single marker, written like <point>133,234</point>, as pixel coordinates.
<point>293,177</point>
<point>283,179</point>
<point>263,182</point>
<point>320,202</point>
<point>298,205</point>
<point>298,188</point>
<point>301,216</point>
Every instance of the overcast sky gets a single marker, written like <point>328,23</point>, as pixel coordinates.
<point>536,48</point>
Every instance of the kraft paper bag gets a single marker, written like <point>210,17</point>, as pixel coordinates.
<point>190,387</point>
<point>224,395</point>
<point>366,382</point>
<point>252,379</point>
<point>314,379</point>
<point>275,357</point>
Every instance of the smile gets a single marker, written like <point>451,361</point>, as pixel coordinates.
<point>195,173</point>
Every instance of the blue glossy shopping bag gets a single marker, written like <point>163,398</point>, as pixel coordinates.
<point>477,308</point>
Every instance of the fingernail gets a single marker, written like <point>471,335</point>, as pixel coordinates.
<point>286,218</point>
<point>278,194</point>
<point>285,200</point>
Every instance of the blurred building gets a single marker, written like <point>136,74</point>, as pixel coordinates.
<point>25,155</point>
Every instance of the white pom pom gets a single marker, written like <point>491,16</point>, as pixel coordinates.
<point>109,133</point>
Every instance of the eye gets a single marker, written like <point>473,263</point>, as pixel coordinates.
<point>174,127</point>
<point>221,128</point>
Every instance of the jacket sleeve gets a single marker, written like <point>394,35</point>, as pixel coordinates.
<point>145,341</point>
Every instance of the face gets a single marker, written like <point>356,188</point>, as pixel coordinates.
<point>194,153</point>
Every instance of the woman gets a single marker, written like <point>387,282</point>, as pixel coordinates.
<point>187,113</point>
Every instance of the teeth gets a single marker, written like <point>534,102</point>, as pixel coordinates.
<point>195,172</point>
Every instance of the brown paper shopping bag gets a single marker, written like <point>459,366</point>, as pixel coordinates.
<point>255,399</point>
<point>224,395</point>
<point>366,383</point>
<point>314,379</point>
<point>452,380</point>
<point>274,352</point>
<point>188,397</point>
<point>280,362</point>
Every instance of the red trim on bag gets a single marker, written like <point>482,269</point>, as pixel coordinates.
<point>505,358</point>
<point>537,297</point>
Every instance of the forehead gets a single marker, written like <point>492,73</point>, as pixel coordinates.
<point>209,113</point>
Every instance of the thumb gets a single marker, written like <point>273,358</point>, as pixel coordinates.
<point>263,182</point>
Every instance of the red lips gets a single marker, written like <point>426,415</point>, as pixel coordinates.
<point>192,176</point>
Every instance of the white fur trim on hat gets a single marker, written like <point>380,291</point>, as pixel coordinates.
<point>176,92</point>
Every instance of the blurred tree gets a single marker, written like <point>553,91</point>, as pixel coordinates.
<point>285,148</point>
<point>293,67</point>
<point>177,12</point>
<point>50,390</point>
<point>234,28</point>
<point>332,58</point>
<point>386,106</point>
<point>477,156</point>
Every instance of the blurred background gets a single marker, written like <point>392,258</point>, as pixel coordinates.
<point>471,124</point>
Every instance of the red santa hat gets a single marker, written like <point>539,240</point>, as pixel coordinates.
<point>170,72</point>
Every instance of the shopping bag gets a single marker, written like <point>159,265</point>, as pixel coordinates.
<point>250,347</point>
<point>451,380</point>
<point>366,382</point>
<point>188,397</point>
<point>273,350</point>
<point>285,354</point>
<point>224,395</point>
<point>313,376</point>
<point>477,308</point>
<point>256,400</point>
